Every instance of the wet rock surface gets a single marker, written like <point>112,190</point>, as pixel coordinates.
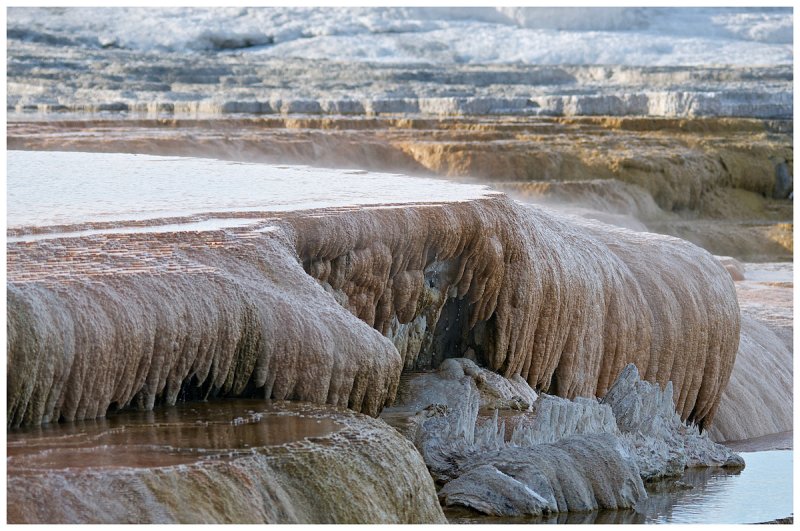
<point>264,462</point>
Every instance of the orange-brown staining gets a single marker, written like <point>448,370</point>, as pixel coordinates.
<point>717,182</point>
<point>131,319</point>
<point>203,462</point>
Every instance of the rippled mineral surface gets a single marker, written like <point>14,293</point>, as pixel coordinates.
<point>235,461</point>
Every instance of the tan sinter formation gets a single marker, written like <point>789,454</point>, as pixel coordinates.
<point>721,183</point>
<point>105,321</point>
<point>172,467</point>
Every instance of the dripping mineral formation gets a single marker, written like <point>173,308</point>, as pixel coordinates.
<point>330,305</point>
<point>248,287</point>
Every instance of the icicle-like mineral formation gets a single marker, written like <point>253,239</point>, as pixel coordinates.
<point>553,456</point>
<point>329,305</point>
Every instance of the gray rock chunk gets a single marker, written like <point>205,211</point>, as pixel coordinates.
<point>784,181</point>
<point>579,473</point>
<point>662,445</point>
<point>490,491</point>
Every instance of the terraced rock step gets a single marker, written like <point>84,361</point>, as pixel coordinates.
<point>723,184</point>
<point>47,79</point>
<point>242,461</point>
<point>329,305</point>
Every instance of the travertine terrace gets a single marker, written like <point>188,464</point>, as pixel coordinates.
<point>551,247</point>
<point>721,183</point>
<point>279,462</point>
<point>711,145</point>
<point>330,305</point>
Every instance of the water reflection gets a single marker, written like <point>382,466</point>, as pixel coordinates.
<point>461,515</point>
<point>172,436</point>
<point>761,492</point>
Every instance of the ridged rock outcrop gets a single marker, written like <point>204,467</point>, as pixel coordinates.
<point>758,399</point>
<point>299,305</point>
<point>582,473</point>
<point>581,467</point>
<point>552,456</point>
<point>301,464</point>
<point>661,444</point>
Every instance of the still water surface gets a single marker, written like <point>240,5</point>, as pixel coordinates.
<point>180,435</point>
<point>759,493</point>
<point>762,492</point>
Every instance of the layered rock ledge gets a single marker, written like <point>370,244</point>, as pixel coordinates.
<point>722,183</point>
<point>329,305</point>
<point>53,79</point>
<point>242,461</point>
